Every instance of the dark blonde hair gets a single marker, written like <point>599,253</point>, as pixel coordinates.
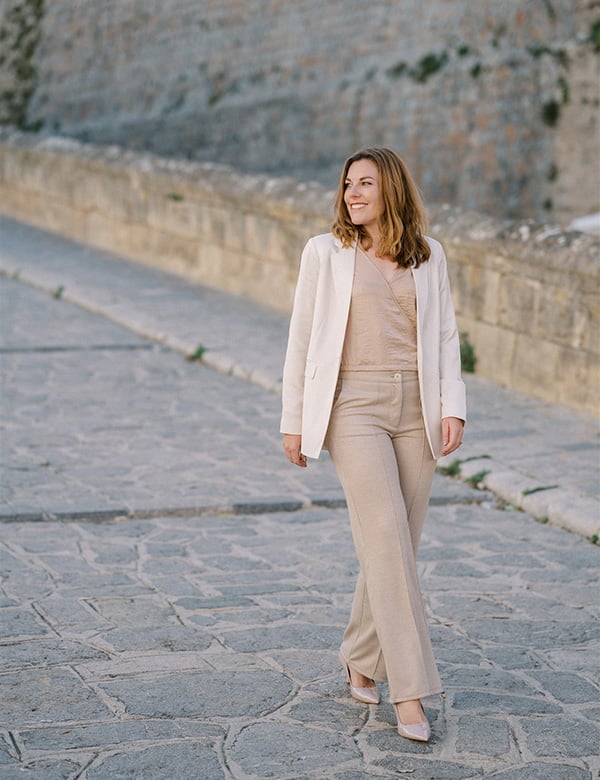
<point>402,222</point>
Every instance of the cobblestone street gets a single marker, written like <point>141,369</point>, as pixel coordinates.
<point>173,592</point>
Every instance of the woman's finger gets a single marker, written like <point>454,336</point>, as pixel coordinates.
<point>452,432</point>
<point>292,446</point>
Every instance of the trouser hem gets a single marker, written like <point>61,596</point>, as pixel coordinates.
<point>434,692</point>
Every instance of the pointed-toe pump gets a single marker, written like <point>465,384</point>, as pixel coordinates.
<point>420,732</point>
<point>365,695</point>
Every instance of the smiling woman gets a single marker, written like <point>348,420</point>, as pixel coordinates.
<point>397,231</point>
<point>372,373</point>
<point>361,195</point>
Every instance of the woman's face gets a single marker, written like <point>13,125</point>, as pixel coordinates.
<point>361,194</point>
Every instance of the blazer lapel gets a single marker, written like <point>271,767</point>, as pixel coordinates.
<point>342,267</point>
<point>421,278</point>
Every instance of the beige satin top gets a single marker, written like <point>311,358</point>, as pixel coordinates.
<point>381,333</point>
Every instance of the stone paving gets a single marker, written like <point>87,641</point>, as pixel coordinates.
<point>538,457</point>
<point>205,647</point>
<point>108,422</point>
<point>173,593</point>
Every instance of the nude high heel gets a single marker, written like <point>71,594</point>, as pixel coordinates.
<point>364,695</point>
<point>420,732</point>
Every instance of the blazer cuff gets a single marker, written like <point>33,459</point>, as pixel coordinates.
<point>454,398</point>
<point>290,424</point>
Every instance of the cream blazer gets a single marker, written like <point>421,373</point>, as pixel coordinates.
<point>316,340</point>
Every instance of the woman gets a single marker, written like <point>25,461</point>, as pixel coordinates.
<point>372,373</point>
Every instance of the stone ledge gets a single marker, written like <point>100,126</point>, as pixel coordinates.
<point>551,504</point>
<point>527,295</point>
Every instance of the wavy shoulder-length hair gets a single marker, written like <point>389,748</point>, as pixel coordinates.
<point>402,223</point>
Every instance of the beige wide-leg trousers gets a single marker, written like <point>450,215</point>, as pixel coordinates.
<point>377,442</point>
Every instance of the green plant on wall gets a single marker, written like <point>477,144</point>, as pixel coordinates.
<point>551,112</point>
<point>427,66</point>
<point>19,36</point>
<point>551,109</point>
<point>552,173</point>
<point>467,354</point>
<point>422,70</point>
<point>595,35</point>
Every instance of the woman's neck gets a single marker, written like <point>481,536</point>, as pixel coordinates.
<point>373,250</point>
<point>373,236</point>
<point>370,242</point>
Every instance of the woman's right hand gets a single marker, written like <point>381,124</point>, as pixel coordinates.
<point>292,444</point>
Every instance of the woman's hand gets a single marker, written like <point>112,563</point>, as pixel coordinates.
<point>452,433</point>
<point>292,443</point>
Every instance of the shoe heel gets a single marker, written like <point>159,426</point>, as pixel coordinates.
<point>364,695</point>
<point>346,668</point>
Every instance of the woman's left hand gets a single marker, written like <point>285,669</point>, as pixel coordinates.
<point>292,444</point>
<point>452,433</point>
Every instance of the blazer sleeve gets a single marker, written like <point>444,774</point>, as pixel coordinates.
<point>298,340</point>
<point>452,387</point>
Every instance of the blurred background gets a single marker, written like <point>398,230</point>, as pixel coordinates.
<point>494,105</point>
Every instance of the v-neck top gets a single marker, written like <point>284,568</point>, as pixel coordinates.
<point>381,333</point>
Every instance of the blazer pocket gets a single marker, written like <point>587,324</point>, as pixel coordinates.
<point>310,369</point>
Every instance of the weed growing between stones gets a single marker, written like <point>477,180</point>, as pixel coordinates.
<point>451,470</point>
<point>530,491</point>
<point>197,354</point>
<point>476,479</point>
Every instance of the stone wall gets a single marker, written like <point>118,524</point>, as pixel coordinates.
<point>20,27</point>
<point>527,294</point>
<point>493,104</point>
